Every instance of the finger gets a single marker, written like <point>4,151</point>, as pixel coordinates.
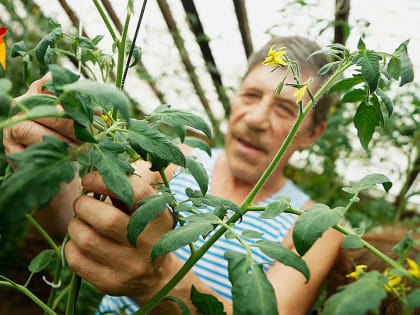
<point>103,217</point>
<point>29,132</point>
<point>63,126</point>
<point>93,182</point>
<point>36,86</point>
<point>97,245</point>
<point>89,269</point>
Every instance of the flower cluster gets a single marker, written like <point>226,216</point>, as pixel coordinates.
<point>414,268</point>
<point>395,284</point>
<point>106,118</point>
<point>300,93</point>
<point>275,57</point>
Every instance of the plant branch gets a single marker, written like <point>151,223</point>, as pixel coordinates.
<point>106,20</point>
<point>43,233</point>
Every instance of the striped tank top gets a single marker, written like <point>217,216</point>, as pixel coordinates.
<point>212,267</point>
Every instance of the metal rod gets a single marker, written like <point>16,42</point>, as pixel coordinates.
<point>242,17</point>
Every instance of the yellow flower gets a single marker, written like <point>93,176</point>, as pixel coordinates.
<point>300,93</point>
<point>358,271</point>
<point>395,283</point>
<point>106,120</point>
<point>414,268</point>
<point>275,57</point>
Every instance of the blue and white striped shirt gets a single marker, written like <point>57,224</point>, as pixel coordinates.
<point>212,267</point>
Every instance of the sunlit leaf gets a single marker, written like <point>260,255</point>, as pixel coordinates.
<point>367,182</point>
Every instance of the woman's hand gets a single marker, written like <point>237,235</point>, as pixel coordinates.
<point>99,251</point>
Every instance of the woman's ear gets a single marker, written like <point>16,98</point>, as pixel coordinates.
<point>313,134</point>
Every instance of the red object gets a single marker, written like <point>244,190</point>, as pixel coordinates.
<point>3,31</point>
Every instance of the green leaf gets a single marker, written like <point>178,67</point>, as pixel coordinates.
<point>42,260</point>
<point>394,67</point>
<point>102,92</point>
<point>406,244</point>
<point>61,76</point>
<point>377,107</point>
<point>82,133</point>
<point>365,121</point>
<point>146,213</point>
<point>203,218</point>
<point>413,299</point>
<point>352,241</point>
<point>369,61</point>
<point>312,224</point>
<point>113,176</point>
<point>47,41</point>
<point>180,237</point>
<point>407,72</point>
<point>199,173</point>
<point>361,44</point>
<point>359,297</point>
<point>150,139</point>
<point>221,204</point>
<point>326,68</point>
<point>346,84</point>
<point>274,209</point>
<point>5,86</point>
<point>184,308</point>
<point>182,208</point>
<point>206,303</point>
<point>284,255</point>
<point>42,168</point>
<point>173,117</point>
<point>367,182</point>
<point>97,39</point>
<point>251,234</point>
<point>18,49</point>
<point>353,96</point>
<point>387,101</point>
<point>35,101</point>
<point>332,52</point>
<point>251,291</point>
<point>198,143</point>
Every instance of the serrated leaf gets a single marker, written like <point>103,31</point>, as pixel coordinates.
<point>394,68</point>
<point>361,44</point>
<point>150,139</point>
<point>405,244</point>
<point>346,84</point>
<point>184,308</point>
<point>198,143</point>
<point>61,76</point>
<point>252,293</point>
<point>5,86</point>
<point>42,261</point>
<point>42,168</point>
<point>407,72</point>
<point>284,255</point>
<point>251,234</point>
<point>387,101</point>
<point>206,303</point>
<point>358,297</point>
<point>146,213</point>
<point>102,92</point>
<point>182,208</point>
<point>199,173</point>
<point>274,209</point>
<point>173,117</point>
<point>18,49</point>
<point>365,121</point>
<point>203,218</point>
<point>369,62</point>
<point>413,299</point>
<point>174,239</point>
<point>97,39</point>
<point>352,241</point>
<point>107,144</point>
<point>312,224</point>
<point>221,203</point>
<point>46,42</point>
<point>113,176</point>
<point>332,52</point>
<point>353,96</point>
<point>367,182</point>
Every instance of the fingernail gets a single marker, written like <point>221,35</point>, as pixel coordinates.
<point>87,179</point>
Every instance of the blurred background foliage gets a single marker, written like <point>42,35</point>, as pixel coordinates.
<point>315,170</point>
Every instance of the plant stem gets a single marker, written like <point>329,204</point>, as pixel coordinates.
<point>164,178</point>
<point>30,295</point>
<point>60,296</point>
<point>121,50</point>
<point>43,233</point>
<point>15,119</point>
<point>28,280</point>
<point>74,290</point>
<point>105,19</point>
<point>236,216</point>
<point>57,275</point>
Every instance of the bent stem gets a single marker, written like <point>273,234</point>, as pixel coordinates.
<point>192,260</point>
<point>29,294</point>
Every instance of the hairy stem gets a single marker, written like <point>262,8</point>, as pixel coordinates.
<point>244,207</point>
<point>105,19</point>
